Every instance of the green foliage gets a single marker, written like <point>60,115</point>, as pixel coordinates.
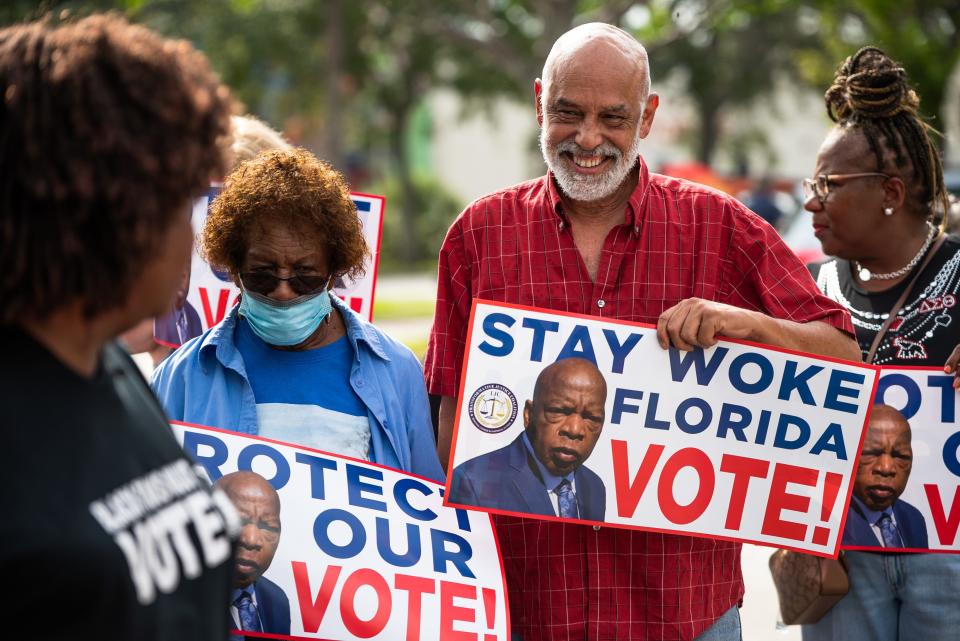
<point>13,11</point>
<point>438,208</point>
<point>349,76</point>
<point>418,347</point>
<point>730,54</point>
<point>923,35</point>
<point>267,52</point>
<point>391,310</point>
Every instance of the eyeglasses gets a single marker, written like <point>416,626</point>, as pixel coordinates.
<point>820,186</point>
<point>263,282</point>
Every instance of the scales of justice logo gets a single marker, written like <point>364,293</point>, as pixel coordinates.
<point>493,408</point>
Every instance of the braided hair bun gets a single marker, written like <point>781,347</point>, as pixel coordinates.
<point>870,85</point>
<point>871,91</point>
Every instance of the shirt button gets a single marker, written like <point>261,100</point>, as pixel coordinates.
<point>601,303</point>
<point>359,382</point>
<point>596,528</point>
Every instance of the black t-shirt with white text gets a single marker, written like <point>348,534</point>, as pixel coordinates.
<point>107,530</point>
<point>926,329</point>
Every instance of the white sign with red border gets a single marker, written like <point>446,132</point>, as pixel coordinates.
<point>362,551</point>
<point>738,442</point>
<point>926,514</point>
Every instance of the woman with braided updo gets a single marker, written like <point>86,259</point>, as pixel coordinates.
<point>877,190</point>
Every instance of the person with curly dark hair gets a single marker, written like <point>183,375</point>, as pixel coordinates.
<point>291,361</point>
<point>152,340</point>
<point>107,131</point>
<point>877,189</point>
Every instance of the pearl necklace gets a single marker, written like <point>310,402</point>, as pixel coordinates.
<point>866,275</point>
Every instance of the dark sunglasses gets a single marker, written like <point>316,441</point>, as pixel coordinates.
<point>262,282</point>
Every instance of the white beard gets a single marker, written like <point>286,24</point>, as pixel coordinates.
<point>587,188</point>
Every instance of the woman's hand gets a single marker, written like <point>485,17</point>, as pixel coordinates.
<point>951,367</point>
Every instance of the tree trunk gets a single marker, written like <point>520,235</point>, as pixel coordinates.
<point>333,126</point>
<point>410,205</point>
<point>709,131</point>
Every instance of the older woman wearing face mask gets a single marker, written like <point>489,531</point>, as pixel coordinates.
<point>877,184</point>
<point>291,361</point>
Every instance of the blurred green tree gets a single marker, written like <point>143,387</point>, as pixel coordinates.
<point>350,75</point>
<point>349,78</point>
<point>923,35</point>
<point>481,50</point>
<point>729,54</point>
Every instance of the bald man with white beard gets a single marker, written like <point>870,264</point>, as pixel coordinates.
<point>600,234</point>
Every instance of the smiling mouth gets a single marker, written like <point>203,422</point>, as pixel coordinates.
<point>586,162</point>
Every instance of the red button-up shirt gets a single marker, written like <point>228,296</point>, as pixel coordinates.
<point>679,240</point>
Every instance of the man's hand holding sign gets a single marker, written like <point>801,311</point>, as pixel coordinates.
<point>696,322</point>
<point>572,417</point>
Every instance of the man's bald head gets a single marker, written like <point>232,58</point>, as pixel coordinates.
<point>890,415</point>
<point>557,374</point>
<point>594,107</point>
<point>259,507</point>
<point>884,417</point>
<point>597,47</point>
<point>238,484</point>
<point>564,418</point>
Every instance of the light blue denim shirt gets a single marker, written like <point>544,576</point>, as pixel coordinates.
<point>205,382</point>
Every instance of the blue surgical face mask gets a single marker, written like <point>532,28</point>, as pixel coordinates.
<point>285,323</point>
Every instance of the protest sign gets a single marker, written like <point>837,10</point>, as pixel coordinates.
<point>359,294</point>
<point>337,548</point>
<point>738,442</point>
<point>909,468</point>
<point>207,294</point>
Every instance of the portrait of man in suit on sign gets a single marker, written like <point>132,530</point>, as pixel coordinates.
<point>256,604</point>
<point>878,517</point>
<point>182,322</point>
<point>542,471</point>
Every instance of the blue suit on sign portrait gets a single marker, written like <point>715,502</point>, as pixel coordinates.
<point>510,479</point>
<point>273,606</point>
<point>909,521</point>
